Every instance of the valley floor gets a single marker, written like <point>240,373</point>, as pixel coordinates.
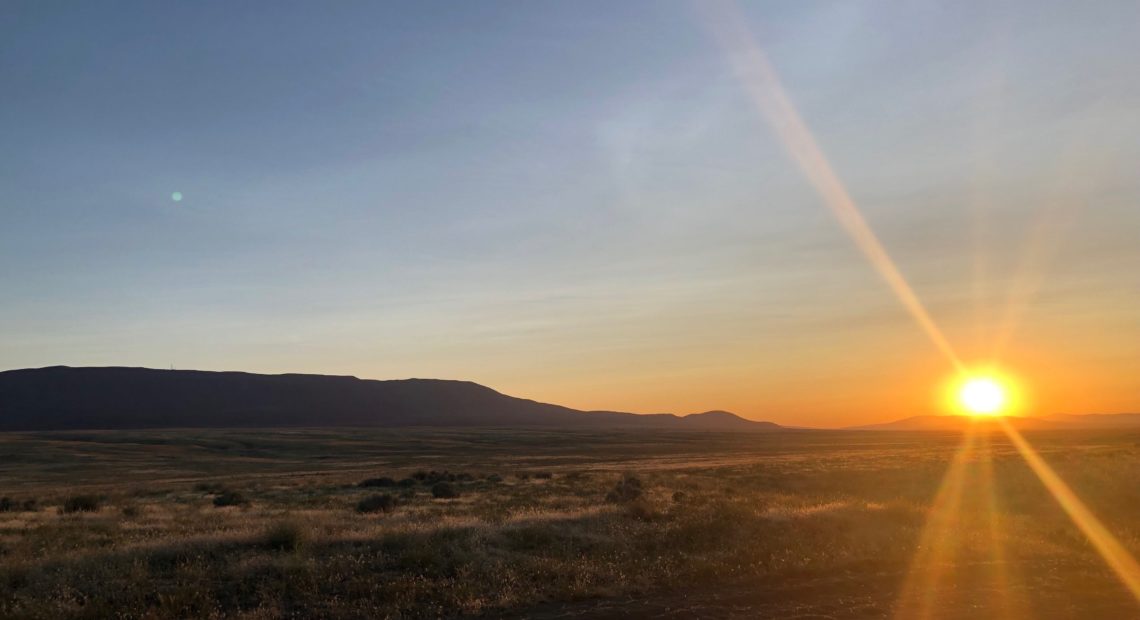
<point>430,523</point>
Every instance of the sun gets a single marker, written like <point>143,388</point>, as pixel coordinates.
<point>982,396</point>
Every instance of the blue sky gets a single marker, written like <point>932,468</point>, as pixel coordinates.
<point>573,202</point>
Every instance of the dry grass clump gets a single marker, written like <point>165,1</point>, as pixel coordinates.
<point>376,503</point>
<point>627,489</point>
<point>643,509</point>
<point>81,503</point>
<point>381,482</point>
<point>210,488</point>
<point>284,536</point>
<point>444,490</point>
<point>8,504</point>
<point>230,498</point>
<point>433,476</point>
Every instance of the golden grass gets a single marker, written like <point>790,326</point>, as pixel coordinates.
<point>790,508</point>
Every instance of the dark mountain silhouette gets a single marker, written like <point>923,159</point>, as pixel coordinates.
<point>61,397</point>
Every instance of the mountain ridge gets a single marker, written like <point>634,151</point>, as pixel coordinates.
<point>118,397</point>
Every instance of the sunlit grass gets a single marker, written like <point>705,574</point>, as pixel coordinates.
<point>716,511</point>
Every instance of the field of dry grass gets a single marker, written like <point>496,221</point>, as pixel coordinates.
<point>266,524</point>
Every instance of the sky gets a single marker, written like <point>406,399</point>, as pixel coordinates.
<point>577,202</point>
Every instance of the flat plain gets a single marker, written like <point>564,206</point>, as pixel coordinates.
<point>416,523</point>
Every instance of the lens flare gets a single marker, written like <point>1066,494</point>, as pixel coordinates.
<point>1114,553</point>
<point>762,84</point>
<point>980,395</point>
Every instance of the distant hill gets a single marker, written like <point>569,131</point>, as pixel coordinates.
<point>1097,420</point>
<point>61,397</point>
<point>1052,422</point>
<point>952,423</point>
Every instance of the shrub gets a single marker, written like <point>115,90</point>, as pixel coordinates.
<point>642,510</point>
<point>376,503</point>
<point>16,578</point>
<point>444,490</point>
<point>494,478</point>
<point>81,503</point>
<point>433,476</point>
<point>8,504</point>
<point>626,490</point>
<point>408,482</point>
<point>284,536</point>
<point>130,511</point>
<point>678,497</point>
<point>544,475</point>
<point>212,488</point>
<point>376,482</point>
<point>230,498</point>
